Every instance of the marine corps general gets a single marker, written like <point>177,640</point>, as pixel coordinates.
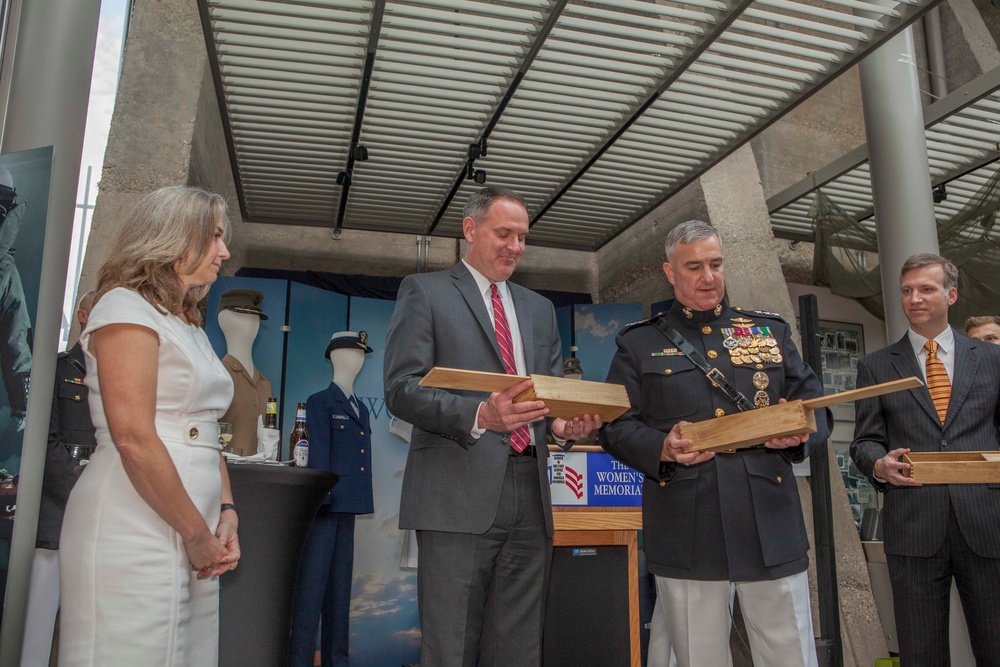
<point>710,520</point>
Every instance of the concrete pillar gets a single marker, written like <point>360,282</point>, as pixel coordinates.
<point>50,88</point>
<point>165,98</point>
<point>901,182</point>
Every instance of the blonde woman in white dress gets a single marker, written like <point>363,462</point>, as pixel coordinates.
<point>150,525</point>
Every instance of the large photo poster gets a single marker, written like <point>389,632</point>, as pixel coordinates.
<point>24,197</point>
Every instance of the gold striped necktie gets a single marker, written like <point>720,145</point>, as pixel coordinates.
<point>937,380</point>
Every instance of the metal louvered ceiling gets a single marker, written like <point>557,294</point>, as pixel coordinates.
<point>595,111</point>
<point>963,149</point>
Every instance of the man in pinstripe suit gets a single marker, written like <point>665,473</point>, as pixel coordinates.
<point>938,531</point>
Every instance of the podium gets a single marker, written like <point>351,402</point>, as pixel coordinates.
<point>276,505</point>
<point>592,610</point>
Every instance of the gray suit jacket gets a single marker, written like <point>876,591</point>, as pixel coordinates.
<point>915,518</point>
<point>452,483</point>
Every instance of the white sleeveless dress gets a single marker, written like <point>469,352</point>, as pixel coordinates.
<point>129,596</point>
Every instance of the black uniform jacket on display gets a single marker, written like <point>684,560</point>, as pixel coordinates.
<point>737,516</point>
<point>69,424</point>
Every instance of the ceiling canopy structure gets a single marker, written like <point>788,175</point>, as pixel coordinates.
<point>385,114</point>
<point>963,149</point>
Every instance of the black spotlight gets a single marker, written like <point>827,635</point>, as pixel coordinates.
<point>939,194</point>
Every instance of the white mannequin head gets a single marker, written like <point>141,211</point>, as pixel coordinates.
<point>346,352</point>
<point>346,365</point>
<point>239,315</point>
<point>240,330</point>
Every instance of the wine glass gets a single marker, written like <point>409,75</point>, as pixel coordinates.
<point>225,435</point>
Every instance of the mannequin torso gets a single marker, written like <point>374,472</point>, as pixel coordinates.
<point>240,330</point>
<point>250,389</point>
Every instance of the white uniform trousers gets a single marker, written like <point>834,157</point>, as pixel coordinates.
<point>777,614</point>
<point>43,605</point>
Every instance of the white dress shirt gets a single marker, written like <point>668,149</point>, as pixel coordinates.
<point>945,352</point>
<point>483,283</point>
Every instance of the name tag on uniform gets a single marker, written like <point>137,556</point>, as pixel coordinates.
<point>339,417</point>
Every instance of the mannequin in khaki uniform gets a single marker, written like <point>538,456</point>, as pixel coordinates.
<point>239,318</point>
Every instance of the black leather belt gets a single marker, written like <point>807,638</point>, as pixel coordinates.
<point>528,451</point>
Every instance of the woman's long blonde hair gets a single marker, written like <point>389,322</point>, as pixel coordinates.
<point>165,236</point>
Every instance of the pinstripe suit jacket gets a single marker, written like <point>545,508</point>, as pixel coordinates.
<point>452,483</point>
<point>915,518</point>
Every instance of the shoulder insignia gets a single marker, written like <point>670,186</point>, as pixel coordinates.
<point>763,313</point>
<point>635,325</point>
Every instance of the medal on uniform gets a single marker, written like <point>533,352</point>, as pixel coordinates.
<point>761,400</point>
<point>760,380</point>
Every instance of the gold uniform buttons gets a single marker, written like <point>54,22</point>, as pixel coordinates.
<point>193,433</point>
<point>362,468</point>
<point>706,329</point>
<point>77,397</point>
<point>663,483</point>
<point>668,371</point>
<point>712,354</point>
<point>362,451</point>
<point>362,433</point>
<point>719,412</point>
<point>779,479</point>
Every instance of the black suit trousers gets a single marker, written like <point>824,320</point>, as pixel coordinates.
<point>921,592</point>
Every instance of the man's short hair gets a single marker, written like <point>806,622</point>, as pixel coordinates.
<point>923,259</point>
<point>689,232</point>
<point>478,205</point>
<point>980,321</point>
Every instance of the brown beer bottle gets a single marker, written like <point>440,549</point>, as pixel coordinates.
<point>299,440</point>
<point>271,413</point>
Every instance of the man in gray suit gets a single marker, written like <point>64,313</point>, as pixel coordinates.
<point>938,531</point>
<point>475,485</point>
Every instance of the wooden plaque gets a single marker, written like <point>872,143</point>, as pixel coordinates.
<point>954,467</point>
<point>564,397</point>
<point>745,429</point>
<point>753,427</point>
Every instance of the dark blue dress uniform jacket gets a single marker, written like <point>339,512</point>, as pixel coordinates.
<point>736,517</point>
<point>340,442</point>
<point>69,424</point>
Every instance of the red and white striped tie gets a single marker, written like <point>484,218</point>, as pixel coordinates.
<point>521,437</point>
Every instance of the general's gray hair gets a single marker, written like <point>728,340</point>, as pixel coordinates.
<point>923,259</point>
<point>689,232</point>
<point>478,205</point>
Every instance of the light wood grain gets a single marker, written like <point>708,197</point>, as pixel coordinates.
<point>865,392</point>
<point>563,397</point>
<point>954,467</point>
<point>596,518</point>
<point>457,378</point>
<point>577,448</point>
<point>745,429</point>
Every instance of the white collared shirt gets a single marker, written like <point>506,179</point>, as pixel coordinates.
<point>945,352</point>
<point>483,283</point>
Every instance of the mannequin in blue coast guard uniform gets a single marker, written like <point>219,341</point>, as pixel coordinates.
<point>340,442</point>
